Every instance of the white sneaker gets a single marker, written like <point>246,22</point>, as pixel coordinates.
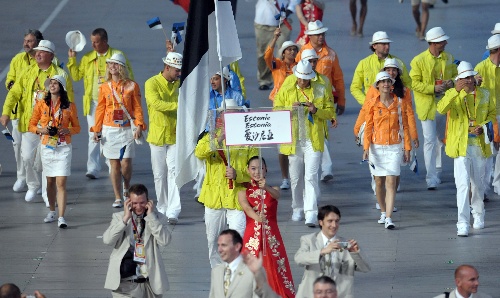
<point>311,219</point>
<point>297,215</point>
<point>463,231</point>
<point>377,206</point>
<point>285,184</point>
<point>382,219</point>
<point>62,223</point>
<point>30,195</point>
<point>478,221</point>
<point>39,191</point>
<point>51,216</point>
<point>388,223</point>
<point>19,186</point>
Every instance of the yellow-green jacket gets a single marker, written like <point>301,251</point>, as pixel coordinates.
<point>215,193</point>
<point>161,100</point>
<point>457,133</point>
<point>366,72</point>
<point>320,95</point>
<point>491,80</point>
<point>86,70</point>
<point>22,92</point>
<point>423,79</point>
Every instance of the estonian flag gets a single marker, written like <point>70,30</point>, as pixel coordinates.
<point>202,58</point>
<point>177,31</point>
<point>155,23</point>
<point>8,135</point>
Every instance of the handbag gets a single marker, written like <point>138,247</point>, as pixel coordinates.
<point>361,135</point>
<point>128,267</point>
<point>142,139</point>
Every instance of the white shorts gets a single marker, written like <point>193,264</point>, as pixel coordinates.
<point>417,2</point>
<point>114,139</point>
<point>56,162</point>
<point>386,159</point>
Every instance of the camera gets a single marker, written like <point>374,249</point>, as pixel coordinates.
<point>343,244</point>
<point>52,131</point>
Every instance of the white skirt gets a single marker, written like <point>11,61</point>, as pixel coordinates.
<point>386,159</point>
<point>56,162</point>
<point>114,139</point>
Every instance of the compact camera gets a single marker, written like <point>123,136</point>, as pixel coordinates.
<point>52,131</point>
<point>343,244</point>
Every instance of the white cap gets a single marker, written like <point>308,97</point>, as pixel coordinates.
<point>383,75</point>
<point>117,58</point>
<point>436,34</point>
<point>380,37</point>
<point>75,40</point>
<point>46,45</point>
<point>493,42</point>
<point>225,73</point>
<point>303,70</point>
<point>496,30</point>
<point>464,70</point>
<point>173,59</point>
<point>286,45</point>
<point>308,54</point>
<point>315,27</point>
<point>58,78</point>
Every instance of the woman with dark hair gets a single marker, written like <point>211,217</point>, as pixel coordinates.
<point>386,143</point>
<point>260,203</point>
<point>55,119</point>
<point>119,104</point>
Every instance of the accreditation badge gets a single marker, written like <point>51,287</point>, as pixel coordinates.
<point>52,142</point>
<point>38,95</point>
<point>118,116</point>
<point>62,140</point>
<point>139,253</point>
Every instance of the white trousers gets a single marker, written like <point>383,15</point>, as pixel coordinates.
<point>432,149</point>
<point>468,172</point>
<point>163,164</point>
<point>304,165</point>
<point>93,162</point>
<point>488,170</point>
<point>496,172</point>
<point>29,145</point>
<point>216,221</point>
<point>326,160</point>
<point>17,136</point>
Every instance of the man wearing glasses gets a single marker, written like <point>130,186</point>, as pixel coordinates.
<point>470,110</point>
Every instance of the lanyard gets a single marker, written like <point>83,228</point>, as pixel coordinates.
<point>467,106</point>
<point>137,237</point>
<point>303,93</point>
<point>52,114</point>
<point>115,97</point>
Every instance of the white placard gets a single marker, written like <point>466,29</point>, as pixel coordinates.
<point>258,128</point>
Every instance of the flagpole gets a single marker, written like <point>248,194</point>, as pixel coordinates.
<point>261,191</point>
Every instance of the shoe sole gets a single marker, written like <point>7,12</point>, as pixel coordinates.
<point>63,226</point>
<point>296,219</point>
<point>173,221</point>
<point>462,235</point>
<point>91,176</point>
<point>48,221</point>
<point>327,178</point>
<point>381,221</point>
<point>390,227</point>
<point>310,224</point>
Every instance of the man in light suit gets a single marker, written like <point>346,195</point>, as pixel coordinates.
<point>136,235</point>
<point>324,253</point>
<point>240,276</point>
<point>467,281</point>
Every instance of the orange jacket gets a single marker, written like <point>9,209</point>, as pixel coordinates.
<point>329,65</point>
<point>69,119</point>
<point>130,95</point>
<point>382,124</point>
<point>412,124</point>
<point>278,69</point>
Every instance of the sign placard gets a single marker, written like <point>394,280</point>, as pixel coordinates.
<point>258,128</point>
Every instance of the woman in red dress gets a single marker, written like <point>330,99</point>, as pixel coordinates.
<point>308,11</point>
<point>260,203</point>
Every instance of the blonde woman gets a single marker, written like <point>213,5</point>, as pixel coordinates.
<point>119,104</point>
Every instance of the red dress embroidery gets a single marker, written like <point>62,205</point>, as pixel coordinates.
<point>275,262</point>
<point>311,13</point>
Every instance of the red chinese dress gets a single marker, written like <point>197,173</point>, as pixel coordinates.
<point>275,262</point>
<point>311,13</point>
